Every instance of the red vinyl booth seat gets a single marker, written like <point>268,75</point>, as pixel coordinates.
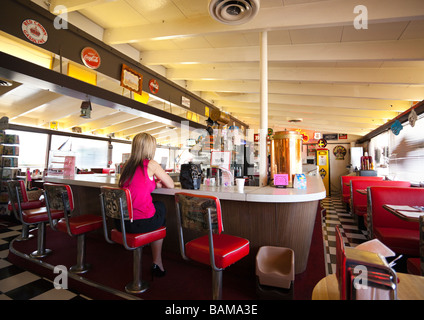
<point>401,236</point>
<point>359,201</point>
<point>346,189</point>
<point>416,265</point>
<point>413,266</point>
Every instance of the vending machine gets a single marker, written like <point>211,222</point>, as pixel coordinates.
<point>323,163</point>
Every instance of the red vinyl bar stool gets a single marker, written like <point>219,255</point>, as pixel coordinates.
<point>203,213</point>
<point>25,205</point>
<point>59,199</point>
<point>117,204</point>
<point>28,217</point>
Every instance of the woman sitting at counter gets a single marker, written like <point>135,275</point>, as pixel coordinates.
<point>141,175</point>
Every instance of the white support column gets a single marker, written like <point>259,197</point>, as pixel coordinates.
<point>263,131</point>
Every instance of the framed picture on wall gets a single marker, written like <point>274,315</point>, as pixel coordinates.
<point>131,79</point>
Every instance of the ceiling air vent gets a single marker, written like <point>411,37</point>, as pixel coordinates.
<point>233,12</point>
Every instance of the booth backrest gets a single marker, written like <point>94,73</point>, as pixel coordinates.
<point>346,189</point>
<point>361,199</point>
<point>381,218</point>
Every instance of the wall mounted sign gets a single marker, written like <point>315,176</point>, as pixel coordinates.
<point>396,127</point>
<point>53,125</point>
<point>339,152</point>
<point>131,79</point>
<point>153,86</point>
<point>305,136</point>
<point>90,58</point>
<point>185,102</point>
<point>34,31</point>
<point>412,118</point>
<point>330,136</point>
<point>342,136</point>
<point>322,143</point>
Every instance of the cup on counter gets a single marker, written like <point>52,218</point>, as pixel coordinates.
<point>212,181</point>
<point>240,184</point>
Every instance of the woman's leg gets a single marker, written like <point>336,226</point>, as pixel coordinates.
<point>156,247</point>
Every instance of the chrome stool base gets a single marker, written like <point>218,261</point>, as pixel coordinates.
<point>137,288</point>
<point>25,235</point>
<point>24,238</point>
<point>80,269</point>
<point>41,251</point>
<point>40,254</point>
<point>137,285</point>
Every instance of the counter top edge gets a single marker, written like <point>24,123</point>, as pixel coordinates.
<point>315,189</point>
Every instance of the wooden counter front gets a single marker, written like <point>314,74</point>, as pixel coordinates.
<point>266,216</point>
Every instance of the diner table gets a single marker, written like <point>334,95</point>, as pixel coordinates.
<point>407,213</point>
<point>410,287</point>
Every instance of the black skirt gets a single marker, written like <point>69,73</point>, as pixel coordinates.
<point>146,225</point>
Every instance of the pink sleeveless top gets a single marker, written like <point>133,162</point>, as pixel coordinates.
<point>141,187</point>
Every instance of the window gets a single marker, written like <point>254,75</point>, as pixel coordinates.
<point>118,150</point>
<point>162,156</point>
<point>88,153</point>
<point>400,157</point>
<point>32,149</point>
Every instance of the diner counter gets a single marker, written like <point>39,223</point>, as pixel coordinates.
<point>266,216</point>
<point>315,189</point>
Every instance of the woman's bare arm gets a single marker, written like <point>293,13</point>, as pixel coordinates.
<point>163,178</point>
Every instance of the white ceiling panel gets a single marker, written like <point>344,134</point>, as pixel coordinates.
<point>320,68</point>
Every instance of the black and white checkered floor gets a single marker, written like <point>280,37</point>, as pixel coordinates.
<point>336,214</point>
<point>19,284</point>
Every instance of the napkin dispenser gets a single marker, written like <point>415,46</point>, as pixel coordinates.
<point>368,276</point>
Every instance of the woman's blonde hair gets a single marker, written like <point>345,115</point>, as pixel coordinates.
<point>143,147</point>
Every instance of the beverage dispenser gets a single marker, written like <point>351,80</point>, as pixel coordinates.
<point>286,155</point>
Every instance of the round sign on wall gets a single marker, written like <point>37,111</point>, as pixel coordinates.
<point>322,143</point>
<point>90,58</point>
<point>153,86</point>
<point>339,152</point>
<point>34,31</point>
